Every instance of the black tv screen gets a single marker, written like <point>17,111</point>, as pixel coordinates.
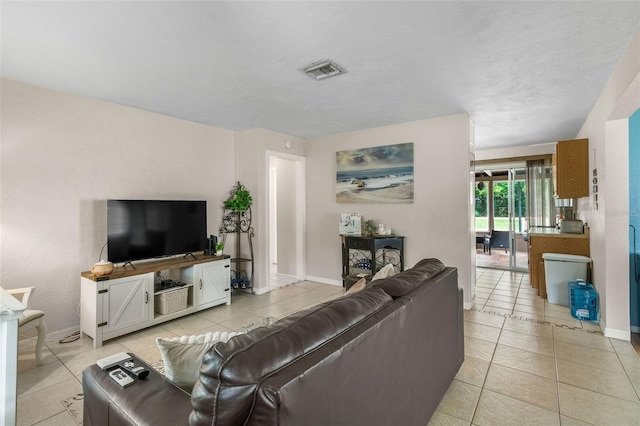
<point>144,229</point>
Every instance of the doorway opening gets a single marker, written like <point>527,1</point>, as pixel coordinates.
<point>501,218</point>
<point>286,219</point>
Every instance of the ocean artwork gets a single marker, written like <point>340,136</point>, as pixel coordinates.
<point>382,174</point>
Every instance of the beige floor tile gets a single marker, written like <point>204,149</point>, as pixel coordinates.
<point>530,362</point>
<point>473,371</point>
<point>591,326</point>
<point>523,386</point>
<point>530,300</point>
<point>42,377</point>
<point>631,364</point>
<point>443,419</point>
<point>510,300</point>
<point>496,409</point>
<point>555,307</point>
<point>499,304</point>
<point>497,311</point>
<point>564,322</point>
<point>45,402</point>
<point>538,310</point>
<point>237,323</point>
<point>484,318</point>
<point>480,331</point>
<point>60,419</point>
<point>596,379</point>
<point>568,421</point>
<point>460,400</point>
<point>588,357</point>
<point>221,313</point>
<point>596,408</point>
<point>623,347</point>
<point>509,294</point>
<point>187,326</point>
<point>524,316</point>
<point>144,339</point>
<point>529,327</point>
<point>276,310</point>
<point>590,340</point>
<point>477,348</point>
<point>525,341</point>
<point>483,292</point>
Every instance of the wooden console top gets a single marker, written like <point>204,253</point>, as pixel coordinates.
<point>143,267</point>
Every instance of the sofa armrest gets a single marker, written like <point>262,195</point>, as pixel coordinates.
<point>152,401</point>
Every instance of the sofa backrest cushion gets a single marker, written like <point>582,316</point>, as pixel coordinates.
<point>405,282</point>
<point>231,372</point>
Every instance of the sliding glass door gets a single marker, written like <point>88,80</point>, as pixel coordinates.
<point>518,219</point>
<point>501,205</point>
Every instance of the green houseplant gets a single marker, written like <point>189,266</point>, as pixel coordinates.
<point>240,201</point>
<point>219,248</point>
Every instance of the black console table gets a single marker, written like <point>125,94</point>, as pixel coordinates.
<point>367,255</point>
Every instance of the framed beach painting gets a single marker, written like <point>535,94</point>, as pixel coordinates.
<point>381,174</point>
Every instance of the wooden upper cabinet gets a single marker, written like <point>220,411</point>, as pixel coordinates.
<point>572,168</point>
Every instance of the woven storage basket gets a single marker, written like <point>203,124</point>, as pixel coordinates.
<point>171,301</point>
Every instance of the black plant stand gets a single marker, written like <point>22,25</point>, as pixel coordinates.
<point>238,224</point>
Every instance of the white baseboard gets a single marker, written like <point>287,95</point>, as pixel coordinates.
<point>324,280</point>
<point>467,305</point>
<point>617,334</point>
<point>61,334</point>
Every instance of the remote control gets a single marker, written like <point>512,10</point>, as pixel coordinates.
<point>134,369</point>
<point>120,377</point>
<point>113,360</point>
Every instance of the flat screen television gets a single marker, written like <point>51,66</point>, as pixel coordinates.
<point>145,229</point>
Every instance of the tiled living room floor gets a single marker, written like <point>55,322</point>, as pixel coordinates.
<point>521,367</point>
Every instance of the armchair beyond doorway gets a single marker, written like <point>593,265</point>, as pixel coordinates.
<point>498,239</point>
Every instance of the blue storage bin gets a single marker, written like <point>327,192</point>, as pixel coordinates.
<point>583,301</point>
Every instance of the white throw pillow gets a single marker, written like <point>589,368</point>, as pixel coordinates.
<point>182,356</point>
<point>386,271</point>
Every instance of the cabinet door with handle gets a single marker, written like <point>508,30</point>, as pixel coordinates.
<point>212,284</point>
<point>127,304</point>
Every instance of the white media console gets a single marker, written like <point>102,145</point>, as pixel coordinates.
<point>123,302</point>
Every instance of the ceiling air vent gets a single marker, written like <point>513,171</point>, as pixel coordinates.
<point>323,69</point>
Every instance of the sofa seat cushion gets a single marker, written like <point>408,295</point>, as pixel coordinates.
<point>231,372</point>
<point>405,282</point>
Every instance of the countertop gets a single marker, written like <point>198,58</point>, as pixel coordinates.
<point>553,232</point>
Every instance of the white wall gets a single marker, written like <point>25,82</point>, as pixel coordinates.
<point>252,169</point>
<point>605,128</point>
<point>435,225</point>
<point>63,156</point>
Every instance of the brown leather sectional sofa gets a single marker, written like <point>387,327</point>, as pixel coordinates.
<point>383,356</point>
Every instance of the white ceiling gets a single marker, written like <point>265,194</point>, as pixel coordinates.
<point>525,72</point>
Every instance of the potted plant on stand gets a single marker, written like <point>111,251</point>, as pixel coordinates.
<point>236,220</point>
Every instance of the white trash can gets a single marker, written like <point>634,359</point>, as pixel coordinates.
<point>559,269</point>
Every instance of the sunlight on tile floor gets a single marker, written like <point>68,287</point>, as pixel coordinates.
<point>526,361</point>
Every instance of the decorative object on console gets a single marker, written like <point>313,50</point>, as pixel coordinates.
<point>236,220</point>
<point>182,355</point>
<point>350,223</point>
<point>369,227</point>
<point>219,248</point>
<point>102,268</point>
<point>381,174</point>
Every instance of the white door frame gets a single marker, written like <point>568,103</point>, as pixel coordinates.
<point>301,215</point>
